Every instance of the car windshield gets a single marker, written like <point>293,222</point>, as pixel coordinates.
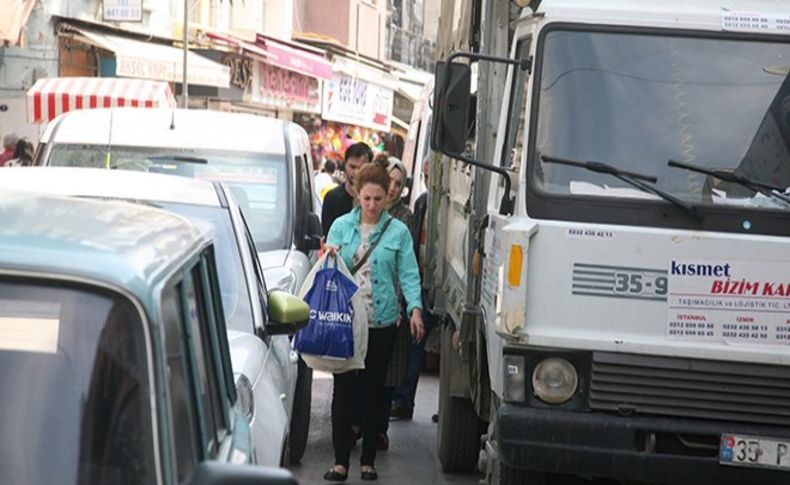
<point>715,103</point>
<point>259,181</point>
<point>215,223</point>
<point>76,400</point>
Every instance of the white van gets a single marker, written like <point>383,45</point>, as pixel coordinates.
<point>265,161</point>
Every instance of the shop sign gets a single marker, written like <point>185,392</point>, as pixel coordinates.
<point>122,10</point>
<point>240,71</point>
<point>280,88</point>
<point>357,102</point>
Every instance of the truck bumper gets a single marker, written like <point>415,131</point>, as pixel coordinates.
<point>633,448</point>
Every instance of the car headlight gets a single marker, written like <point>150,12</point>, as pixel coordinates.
<point>554,380</point>
<point>282,279</point>
<point>245,401</point>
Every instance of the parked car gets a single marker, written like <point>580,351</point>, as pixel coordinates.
<point>265,161</point>
<point>115,368</point>
<point>264,363</point>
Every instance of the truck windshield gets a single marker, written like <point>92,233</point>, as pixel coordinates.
<point>637,100</point>
<point>76,394</point>
<point>259,181</point>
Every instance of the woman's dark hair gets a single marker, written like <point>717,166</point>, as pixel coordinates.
<point>329,167</point>
<point>24,151</point>
<point>372,173</point>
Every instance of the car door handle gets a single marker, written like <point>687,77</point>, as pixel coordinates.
<point>293,357</point>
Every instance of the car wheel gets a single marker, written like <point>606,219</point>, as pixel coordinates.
<point>300,416</point>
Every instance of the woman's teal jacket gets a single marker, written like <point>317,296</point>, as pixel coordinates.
<point>393,254</point>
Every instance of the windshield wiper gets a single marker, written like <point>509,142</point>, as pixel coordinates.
<point>632,178</point>
<point>178,158</point>
<point>760,187</point>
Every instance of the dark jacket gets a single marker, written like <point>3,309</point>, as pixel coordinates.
<point>337,202</point>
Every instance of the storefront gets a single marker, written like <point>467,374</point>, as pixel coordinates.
<point>273,78</point>
<point>356,107</point>
<point>103,51</point>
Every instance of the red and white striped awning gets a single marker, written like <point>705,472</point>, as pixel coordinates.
<point>50,97</point>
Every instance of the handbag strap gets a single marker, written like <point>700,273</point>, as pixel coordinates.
<point>365,256</point>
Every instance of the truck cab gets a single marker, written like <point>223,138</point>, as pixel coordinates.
<point>628,315</point>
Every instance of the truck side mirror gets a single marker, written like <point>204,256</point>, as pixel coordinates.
<point>451,107</point>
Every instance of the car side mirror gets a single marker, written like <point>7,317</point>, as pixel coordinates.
<point>213,473</point>
<point>287,313</point>
<point>451,107</point>
<point>311,239</point>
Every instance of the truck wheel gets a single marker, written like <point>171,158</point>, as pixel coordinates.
<point>459,427</point>
<point>300,415</point>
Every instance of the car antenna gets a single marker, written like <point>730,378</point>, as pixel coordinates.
<point>108,156</point>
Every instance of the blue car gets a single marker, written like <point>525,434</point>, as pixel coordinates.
<point>114,365</point>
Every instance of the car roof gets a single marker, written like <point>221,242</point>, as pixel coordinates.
<point>119,184</point>
<point>118,244</point>
<point>171,128</point>
<point>685,14</point>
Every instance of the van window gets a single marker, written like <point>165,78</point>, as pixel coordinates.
<point>260,181</point>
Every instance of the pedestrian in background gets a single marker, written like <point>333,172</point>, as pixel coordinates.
<point>403,401</point>
<point>380,248</point>
<point>340,200</point>
<point>399,361</point>
<point>23,154</point>
<point>324,181</point>
<point>9,147</point>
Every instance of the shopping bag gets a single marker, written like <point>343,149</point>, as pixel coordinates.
<point>329,332</point>
<point>360,324</point>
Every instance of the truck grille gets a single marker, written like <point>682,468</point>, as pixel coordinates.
<point>667,386</point>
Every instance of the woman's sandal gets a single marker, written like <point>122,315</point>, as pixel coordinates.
<point>369,474</point>
<point>335,476</point>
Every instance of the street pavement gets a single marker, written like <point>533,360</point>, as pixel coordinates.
<point>411,458</point>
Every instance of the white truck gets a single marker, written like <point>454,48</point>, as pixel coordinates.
<point>614,263</point>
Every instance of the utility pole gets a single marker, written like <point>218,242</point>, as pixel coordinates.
<point>184,84</point>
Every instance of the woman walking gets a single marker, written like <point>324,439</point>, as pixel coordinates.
<point>380,249</point>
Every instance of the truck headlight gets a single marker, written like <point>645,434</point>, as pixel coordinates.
<point>515,378</point>
<point>554,380</point>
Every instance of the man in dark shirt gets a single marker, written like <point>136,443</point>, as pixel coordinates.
<point>340,200</point>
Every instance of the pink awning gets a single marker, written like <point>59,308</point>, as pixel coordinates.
<point>296,60</point>
<point>50,97</point>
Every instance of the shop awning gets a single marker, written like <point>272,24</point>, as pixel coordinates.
<point>242,45</point>
<point>297,60</point>
<point>50,97</point>
<point>147,60</point>
<point>13,19</point>
<point>350,67</point>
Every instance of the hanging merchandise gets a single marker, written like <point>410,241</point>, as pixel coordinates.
<point>331,139</point>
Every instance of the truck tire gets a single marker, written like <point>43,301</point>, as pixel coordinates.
<point>458,436</point>
<point>300,415</point>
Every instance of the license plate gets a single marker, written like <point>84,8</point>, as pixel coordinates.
<point>754,451</point>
